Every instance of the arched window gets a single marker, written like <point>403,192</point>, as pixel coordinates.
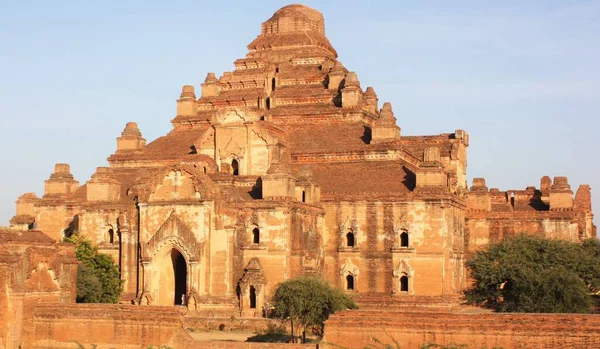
<point>235,167</point>
<point>268,102</point>
<point>252,297</point>
<point>404,283</point>
<point>273,84</point>
<point>303,196</point>
<point>350,239</point>
<point>350,282</point>
<point>255,235</point>
<point>404,239</point>
<point>111,236</point>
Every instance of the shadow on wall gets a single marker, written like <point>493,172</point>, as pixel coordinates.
<point>366,137</point>
<point>537,203</point>
<point>256,191</point>
<point>410,179</point>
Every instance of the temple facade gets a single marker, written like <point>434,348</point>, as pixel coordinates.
<point>287,166</point>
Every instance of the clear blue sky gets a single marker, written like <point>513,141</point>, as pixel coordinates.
<point>522,77</point>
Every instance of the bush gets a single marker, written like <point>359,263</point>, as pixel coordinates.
<point>535,275</point>
<point>98,279</point>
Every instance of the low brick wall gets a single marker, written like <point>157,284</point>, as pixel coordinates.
<point>355,329</point>
<point>250,345</point>
<point>107,326</point>
<point>198,323</point>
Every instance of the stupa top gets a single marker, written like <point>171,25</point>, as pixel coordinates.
<point>293,18</point>
<point>294,26</point>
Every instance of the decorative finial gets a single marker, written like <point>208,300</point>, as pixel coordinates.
<point>370,93</point>
<point>210,78</point>
<point>351,79</point>
<point>188,92</point>
<point>131,129</point>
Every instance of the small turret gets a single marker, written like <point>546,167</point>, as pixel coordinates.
<point>186,104</point>
<point>26,204</point>
<point>102,187</point>
<point>561,195</point>
<point>25,217</point>
<point>545,184</point>
<point>583,207</point>
<point>479,198</point>
<point>385,128</point>
<point>210,87</point>
<point>336,75</point>
<point>279,182</point>
<point>131,138</point>
<point>371,100</point>
<point>351,93</point>
<point>61,181</point>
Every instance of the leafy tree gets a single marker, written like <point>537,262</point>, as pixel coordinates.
<point>308,301</point>
<point>98,279</point>
<point>535,275</point>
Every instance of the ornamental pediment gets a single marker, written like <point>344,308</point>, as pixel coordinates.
<point>173,183</point>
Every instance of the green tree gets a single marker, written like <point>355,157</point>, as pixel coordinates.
<point>98,279</point>
<point>535,275</point>
<point>308,301</point>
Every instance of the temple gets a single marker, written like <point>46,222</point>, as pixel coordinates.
<point>287,166</point>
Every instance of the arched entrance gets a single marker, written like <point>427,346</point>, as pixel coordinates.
<point>235,167</point>
<point>172,282</point>
<point>180,273</point>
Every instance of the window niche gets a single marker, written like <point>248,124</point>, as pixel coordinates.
<point>404,239</point>
<point>403,276</point>
<point>349,282</point>
<point>404,283</point>
<point>349,237</point>
<point>349,242</point>
<point>349,276</point>
<point>402,242</point>
<point>111,236</point>
<point>254,240</point>
<point>256,236</point>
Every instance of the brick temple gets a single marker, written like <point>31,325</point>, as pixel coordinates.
<point>287,166</point>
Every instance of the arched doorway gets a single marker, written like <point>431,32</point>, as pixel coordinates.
<point>235,167</point>
<point>172,280</point>
<point>252,297</point>
<point>180,274</point>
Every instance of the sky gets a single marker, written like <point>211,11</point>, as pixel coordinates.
<point>521,77</point>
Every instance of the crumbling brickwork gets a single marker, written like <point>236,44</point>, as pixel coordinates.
<point>355,329</point>
<point>34,269</point>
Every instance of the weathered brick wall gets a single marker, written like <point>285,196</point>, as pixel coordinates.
<point>250,345</point>
<point>107,326</point>
<point>354,329</point>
